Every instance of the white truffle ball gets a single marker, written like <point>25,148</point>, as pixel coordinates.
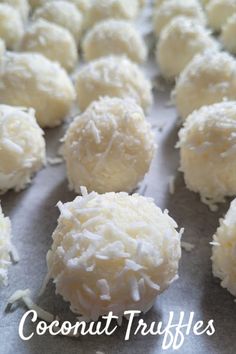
<point>22,147</point>
<point>53,41</point>
<point>218,11</point>
<point>11,26</point>
<point>172,8</point>
<point>188,38</point>
<point>21,5</point>
<point>113,252</point>
<point>115,37</point>
<point>31,80</point>
<point>229,34</point>
<point>119,9</point>
<point>207,147</point>
<point>223,251</point>
<point>109,147</point>
<point>64,14</point>
<point>5,247</point>
<point>115,77</point>
<point>208,78</point>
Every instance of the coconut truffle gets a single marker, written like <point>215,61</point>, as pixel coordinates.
<point>11,26</point>
<point>64,14</point>
<point>207,79</point>
<point>31,80</point>
<point>5,247</point>
<point>109,147</point>
<point>53,41</point>
<point>115,77</point>
<point>21,5</point>
<point>22,147</point>
<point>223,251</point>
<point>113,252</point>
<point>229,34</point>
<point>187,38</point>
<point>115,37</point>
<point>120,9</point>
<point>172,8</point>
<point>218,12</point>
<point>207,147</point>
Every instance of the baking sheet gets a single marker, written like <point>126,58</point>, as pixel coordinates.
<point>34,216</point>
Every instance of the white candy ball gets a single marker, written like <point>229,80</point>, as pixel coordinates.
<point>218,12</point>
<point>5,247</point>
<point>120,9</point>
<point>113,252</point>
<point>53,41</point>
<point>109,147</point>
<point>22,147</point>
<point>187,38</point>
<point>11,26</point>
<point>21,5</point>
<point>223,251</point>
<point>207,148</point>
<point>229,34</point>
<point>31,80</point>
<point>164,13</point>
<point>115,37</point>
<point>115,77</point>
<point>64,14</point>
<point>208,78</point>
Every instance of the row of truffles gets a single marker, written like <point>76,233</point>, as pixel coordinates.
<point>205,98</point>
<point>5,248</point>
<point>213,12</point>
<point>187,37</point>
<point>112,252</point>
<point>223,250</point>
<point>73,15</point>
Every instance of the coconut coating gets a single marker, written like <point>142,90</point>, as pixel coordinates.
<point>22,147</point>
<point>64,14</point>
<point>109,147</point>
<point>218,12</point>
<point>229,34</point>
<point>187,38</point>
<point>11,26</point>
<point>53,41</point>
<point>103,9</point>
<point>164,13</point>
<point>223,250</point>
<point>114,37</point>
<point>113,252</point>
<point>21,5</point>
<point>114,77</point>
<point>207,79</point>
<point>5,247</point>
<point>31,80</point>
<point>207,147</point>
